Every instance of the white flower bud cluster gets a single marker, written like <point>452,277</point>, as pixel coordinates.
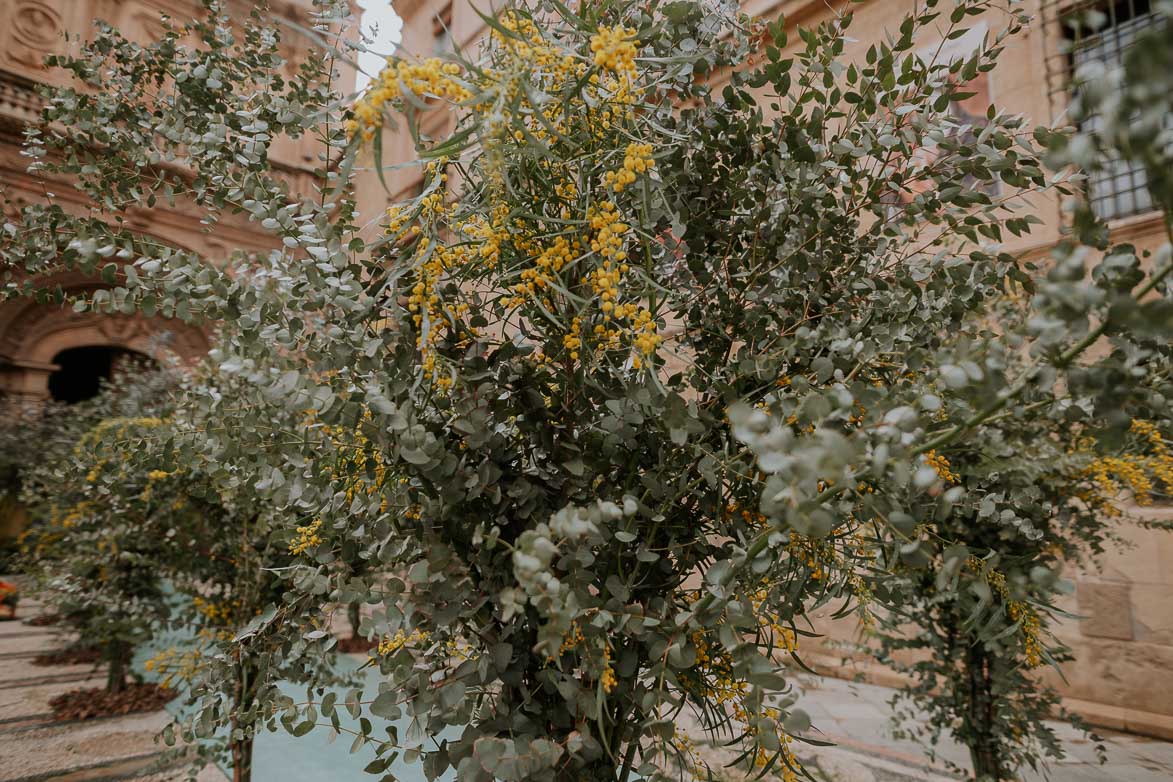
<point>535,558</point>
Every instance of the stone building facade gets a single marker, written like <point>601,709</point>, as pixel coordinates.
<point>53,352</point>
<point>1124,644</point>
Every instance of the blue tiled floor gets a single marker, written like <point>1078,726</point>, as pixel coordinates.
<point>319,755</point>
<point>279,757</point>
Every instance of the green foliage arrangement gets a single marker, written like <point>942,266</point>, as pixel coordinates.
<point>1051,487</point>
<point>141,542</point>
<point>86,548</point>
<point>674,367</point>
<point>231,574</point>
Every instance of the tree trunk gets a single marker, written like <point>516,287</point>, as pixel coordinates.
<point>118,657</point>
<point>983,747</point>
<point>242,748</point>
<point>242,760</point>
<point>352,613</point>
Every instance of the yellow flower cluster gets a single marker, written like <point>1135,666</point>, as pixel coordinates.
<point>751,518</point>
<point>490,234</point>
<point>307,538</point>
<point>942,467</point>
<point>478,245</point>
<point>646,339</point>
<point>608,232</point>
<point>788,767</point>
<point>857,419</point>
<point>527,44</point>
<point>394,643</point>
<point>75,514</point>
<point>216,611</point>
<point>566,190</point>
<point>714,680</point>
<point>397,218</point>
<point>1110,474</point>
<point>1160,459</point>
<point>572,639</point>
<point>815,554</point>
<point>607,679</point>
<point>359,470</point>
<point>616,97</point>
<point>820,557</point>
<point>572,341</point>
<point>121,428</point>
<point>522,56</point>
<point>526,58</point>
<point>608,242</point>
<point>174,665</point>
<point>358,455</point>
<point>1107,477</point>
<point>424,302</point>
<point>783,637</point>
<point>614,48</point>
<point>148,491</point>
<point>1017,610</point>
<point>428,78</point>
<point>549,262</point>
<point>693,760</point>
<point>996,580</point>
<point>456,649</point>
<point>637,160</point>
<point>1028,619</point>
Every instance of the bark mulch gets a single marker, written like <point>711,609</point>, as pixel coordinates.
<point>43,620</point>
<point>80,655</point>
<point>86,704</point>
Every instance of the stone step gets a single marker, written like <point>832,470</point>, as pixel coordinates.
<point>25,723</point>
<point>21,630</point>
<point>209,773</point>
<point>111,748</point>
<point>126,769</point>
<point>29,645</point>
<point>76,679</point>
<point>21,671</point>
<point>22,703</point>
<point>843,765</point>
<point>860,763</point>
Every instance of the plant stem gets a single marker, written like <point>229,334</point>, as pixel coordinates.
<point>242,747</point>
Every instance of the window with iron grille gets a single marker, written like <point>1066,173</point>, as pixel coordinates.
<point>1104,32</point>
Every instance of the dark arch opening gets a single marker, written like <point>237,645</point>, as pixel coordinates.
<point>84,370</point>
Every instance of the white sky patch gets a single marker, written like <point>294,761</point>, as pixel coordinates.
<point>380,22</point>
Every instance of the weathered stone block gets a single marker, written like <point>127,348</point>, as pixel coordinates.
<point>1107,608</point>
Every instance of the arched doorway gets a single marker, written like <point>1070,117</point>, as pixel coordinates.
<point>83,370</point>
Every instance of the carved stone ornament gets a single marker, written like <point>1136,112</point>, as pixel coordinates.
<point>35,30</point>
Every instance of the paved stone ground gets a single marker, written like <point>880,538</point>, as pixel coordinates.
<point>855,717</point>
<point>33,748</point>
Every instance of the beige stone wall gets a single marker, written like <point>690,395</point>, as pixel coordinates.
<point>32,334</point>
<point>1123,672</point>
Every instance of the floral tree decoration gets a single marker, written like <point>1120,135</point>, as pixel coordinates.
<point>647,372</point>
<point>1053,486</point>
<point>89,550</point>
